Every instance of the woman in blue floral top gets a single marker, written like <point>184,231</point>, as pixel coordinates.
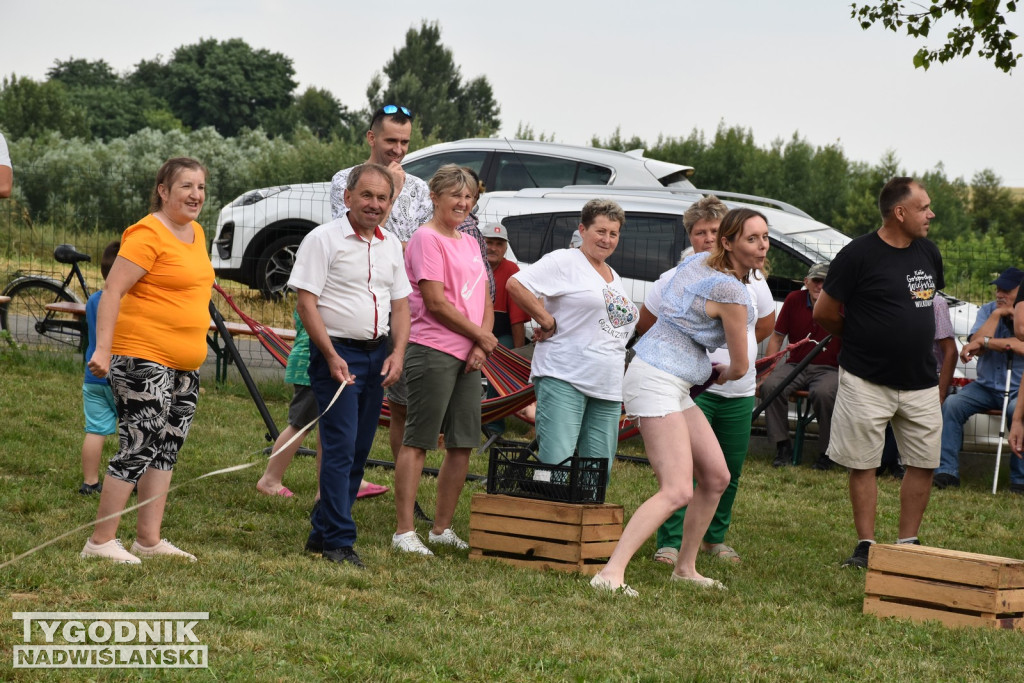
<point>704,307</point>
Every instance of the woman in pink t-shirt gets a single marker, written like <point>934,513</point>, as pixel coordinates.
<point>449,340</point>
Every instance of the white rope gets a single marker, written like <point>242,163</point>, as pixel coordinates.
<point>226,470</point>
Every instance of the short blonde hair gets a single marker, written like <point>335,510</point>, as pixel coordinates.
<point>449,178</point>
<point>708,208</point>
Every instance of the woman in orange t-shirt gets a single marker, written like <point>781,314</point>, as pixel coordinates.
<point>151,339</point>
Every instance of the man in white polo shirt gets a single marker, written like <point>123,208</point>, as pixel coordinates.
<point>350,277</point>
<point>388,138</point>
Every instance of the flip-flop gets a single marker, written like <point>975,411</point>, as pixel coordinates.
<point>702,581</point>
<point>722,552</point>
<point>284,492</point>
<point>371,490</point>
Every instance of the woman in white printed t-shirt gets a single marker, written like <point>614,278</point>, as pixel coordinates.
<point>585,320</point>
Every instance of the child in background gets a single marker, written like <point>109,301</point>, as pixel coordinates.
<point>301,412</point>
<point>97,397</point>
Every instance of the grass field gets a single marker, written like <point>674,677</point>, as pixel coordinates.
<point>278,614</point>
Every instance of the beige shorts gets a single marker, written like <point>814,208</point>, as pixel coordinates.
<point>861,413</point>
<point>650,392</point>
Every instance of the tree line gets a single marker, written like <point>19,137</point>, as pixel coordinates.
<point>232,87</point>
<point>235,108</point>
<point>979,216</point>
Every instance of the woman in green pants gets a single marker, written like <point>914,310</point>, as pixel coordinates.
<point>728,407</point>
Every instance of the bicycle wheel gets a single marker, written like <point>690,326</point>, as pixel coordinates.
<point>32,326</point>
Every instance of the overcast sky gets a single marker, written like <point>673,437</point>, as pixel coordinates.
<point>578,69</point>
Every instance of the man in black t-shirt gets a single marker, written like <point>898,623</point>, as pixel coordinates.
<point>886,281</point>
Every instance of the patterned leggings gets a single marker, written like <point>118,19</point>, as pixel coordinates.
<point>155,405</point>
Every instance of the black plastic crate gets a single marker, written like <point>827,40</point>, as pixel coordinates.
<point>514,470</point>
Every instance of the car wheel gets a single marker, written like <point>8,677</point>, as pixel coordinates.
<point>275,266</point>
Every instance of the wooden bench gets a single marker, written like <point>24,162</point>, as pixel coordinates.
<point>223,360</point>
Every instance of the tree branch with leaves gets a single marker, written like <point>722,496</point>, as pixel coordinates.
<point>978,22</point>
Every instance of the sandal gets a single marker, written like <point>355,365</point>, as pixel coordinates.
<point>668,555</point>
<point>702,581</point>
<point>722,552</point>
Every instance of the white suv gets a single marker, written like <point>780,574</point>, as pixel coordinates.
<point>258,233</point>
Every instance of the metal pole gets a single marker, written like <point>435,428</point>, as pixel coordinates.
<point>257,398</point>
<point>789,378</point>
<point>1002,419</point>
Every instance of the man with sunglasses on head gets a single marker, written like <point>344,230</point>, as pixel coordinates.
<point>388,137</point>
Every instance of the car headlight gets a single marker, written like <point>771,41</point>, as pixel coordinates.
<point>257,196</point>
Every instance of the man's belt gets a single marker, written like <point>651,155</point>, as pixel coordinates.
<point>361,344</point>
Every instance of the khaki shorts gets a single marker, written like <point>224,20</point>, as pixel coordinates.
<point>861,413</point>
<point>650,392</point>
<point>442,397</point>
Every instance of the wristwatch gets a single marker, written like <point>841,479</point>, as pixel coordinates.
<point>984,342</point>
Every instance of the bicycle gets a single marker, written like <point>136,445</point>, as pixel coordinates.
<point>28,321</point>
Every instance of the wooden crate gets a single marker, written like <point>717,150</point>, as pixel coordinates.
<point>955,588</point>
<point>542,534</point>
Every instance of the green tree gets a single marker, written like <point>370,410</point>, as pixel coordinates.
<point>950,203</point>
<point>113,106</point>
<point>616,142</point>
<point>992,205</point>
<point>524,131</point>
<point>976,20</point>
<point>423,76</point>
<point>81,73</point>
<point>29,109</point>
<point>224,84</point>
<point>322,113</point>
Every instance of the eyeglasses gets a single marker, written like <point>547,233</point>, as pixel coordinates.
<point>388,109</point>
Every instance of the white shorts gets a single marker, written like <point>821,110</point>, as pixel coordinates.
<point>650,392</point>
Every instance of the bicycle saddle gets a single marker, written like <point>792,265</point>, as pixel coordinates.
<point>65,253</point>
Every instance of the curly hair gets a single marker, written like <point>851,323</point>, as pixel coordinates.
<point>602,207</point>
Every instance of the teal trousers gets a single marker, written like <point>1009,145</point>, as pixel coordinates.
<point>568,419</point>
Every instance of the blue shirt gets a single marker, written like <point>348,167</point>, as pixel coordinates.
<point>992,363</point>
<point>90,322</point>
<point>678,343</point>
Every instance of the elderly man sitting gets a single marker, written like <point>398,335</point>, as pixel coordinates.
<point>820,378</point>
<point>991,337</point>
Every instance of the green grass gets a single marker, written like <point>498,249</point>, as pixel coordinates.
<point>278,614</point>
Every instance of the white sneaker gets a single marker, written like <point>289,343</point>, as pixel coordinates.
<point>164,547</point>
<point>111,550</point>
<point>602,584</point>
<point>447,537</point>
<point>409,542</point>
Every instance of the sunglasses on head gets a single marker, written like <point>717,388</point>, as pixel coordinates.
<point>388,109</point>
